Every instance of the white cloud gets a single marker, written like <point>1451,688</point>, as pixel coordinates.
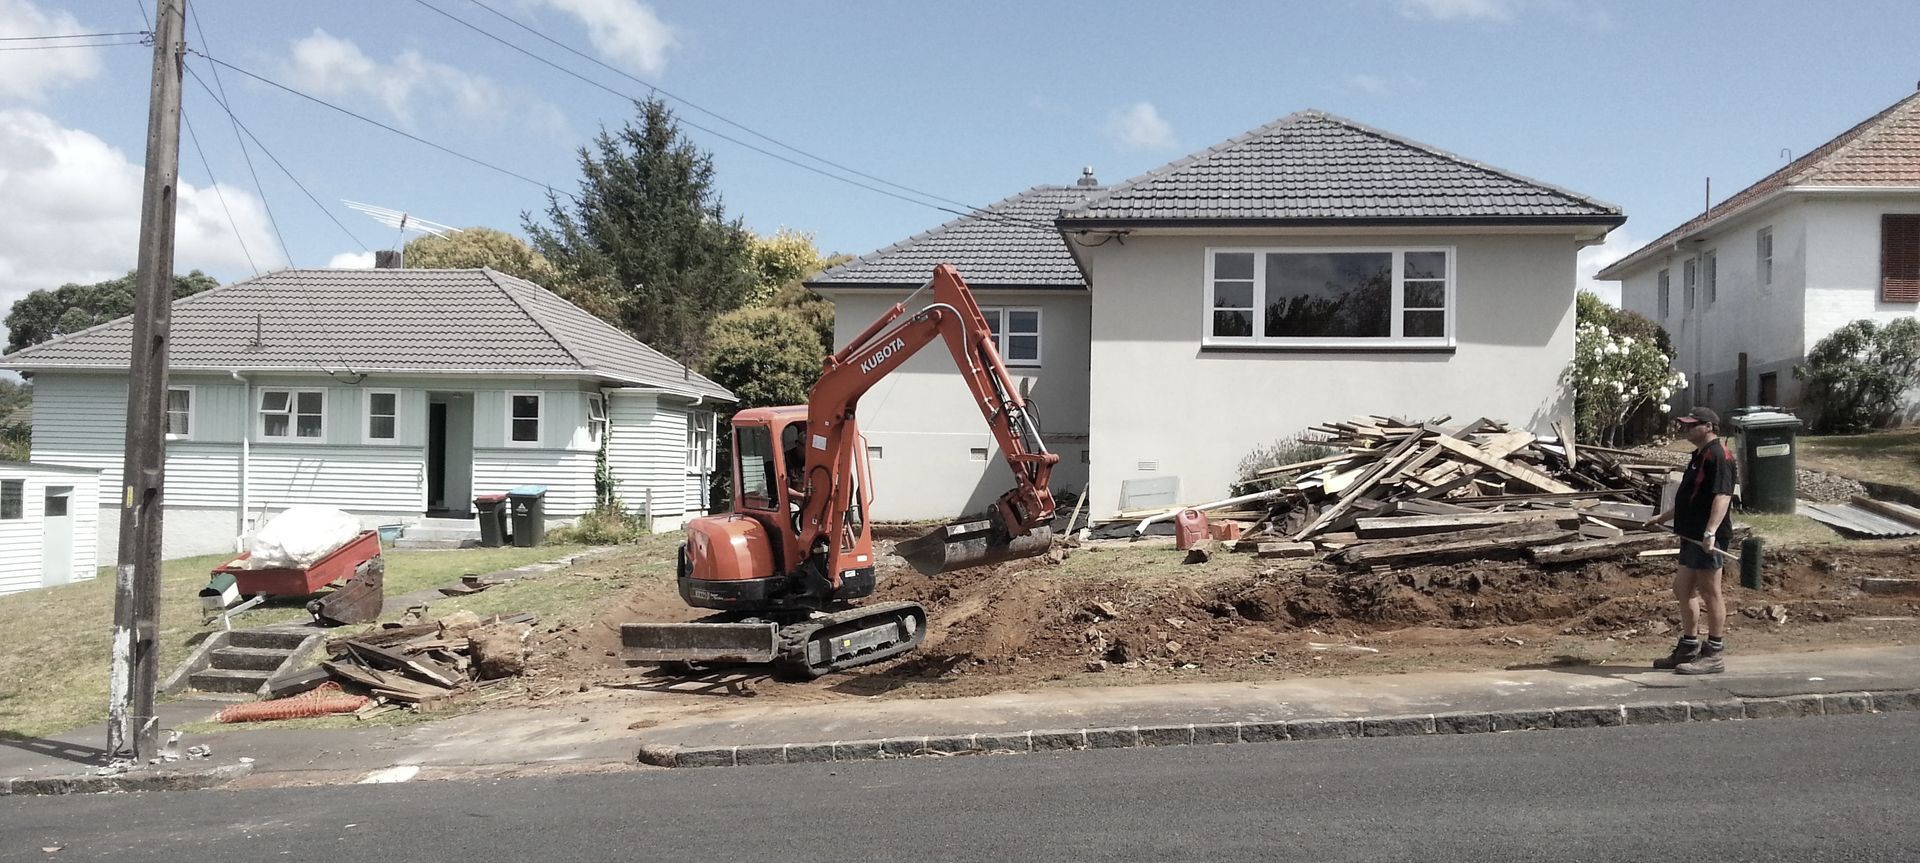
<point>1139,126</point>
<point>626,32</point>
<point>1583,11</point>
<point>351,261</point>
<point>29,75</point>
<point>409,86</point>
<point>1372,85</point>
<point>1593,259</point>
<point>85,199</point>
<point>1453,10</point>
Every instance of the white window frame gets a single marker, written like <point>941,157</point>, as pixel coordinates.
<point>1663,289</point>
<point>1763,256</point>
<point>701,453</point>
<point>596,428</point>
<point>1690,281</point>
<point>539,419</point>
<point>191,398</point>
<point>1397,315</point>
<point>1003,315</point>
<point>1710,275</point>
<point>293,416</point>
<point>21,484</point>
<point>366,418</point>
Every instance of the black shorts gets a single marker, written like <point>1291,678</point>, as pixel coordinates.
<point>1692,556</point>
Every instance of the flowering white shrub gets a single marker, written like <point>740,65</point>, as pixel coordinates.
<point>1614,374</point>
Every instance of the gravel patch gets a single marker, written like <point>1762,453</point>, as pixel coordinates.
<point>1820,487</point>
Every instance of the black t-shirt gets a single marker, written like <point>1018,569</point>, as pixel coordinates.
<point>1712,471</point>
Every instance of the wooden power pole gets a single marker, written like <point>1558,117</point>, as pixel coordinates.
<point>131,726</point>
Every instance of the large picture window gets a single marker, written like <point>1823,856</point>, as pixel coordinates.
<point>1330,297</point>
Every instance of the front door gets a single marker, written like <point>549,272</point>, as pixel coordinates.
<point>56,536</point>
<point>450,455</point>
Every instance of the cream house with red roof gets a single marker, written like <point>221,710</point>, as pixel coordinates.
<point>1747,287</point>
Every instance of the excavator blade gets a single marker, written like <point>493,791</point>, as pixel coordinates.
<point>973,541</point>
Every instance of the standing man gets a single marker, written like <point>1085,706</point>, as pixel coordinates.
<point>1700,516</point>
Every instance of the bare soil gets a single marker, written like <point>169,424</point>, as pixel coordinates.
<point>1130,613</point>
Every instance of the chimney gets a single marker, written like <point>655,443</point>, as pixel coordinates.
<point>390,259</point>
<point>1087,179</point>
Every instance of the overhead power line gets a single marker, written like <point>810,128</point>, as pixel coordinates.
<point>967,209</point>
<point>246,155</point>
<point>275,159</point>
<point>70,45</point>
<point>370,121</point>
<point>215,183</point>
<point>75,36</point>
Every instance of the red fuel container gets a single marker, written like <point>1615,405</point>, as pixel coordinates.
<point>1189,529</point>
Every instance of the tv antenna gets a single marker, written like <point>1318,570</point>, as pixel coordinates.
<point>401,221</point>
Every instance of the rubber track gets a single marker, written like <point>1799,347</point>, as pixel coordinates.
<point>795,638</point>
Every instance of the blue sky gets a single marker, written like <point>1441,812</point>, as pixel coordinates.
<point>1636,103</point>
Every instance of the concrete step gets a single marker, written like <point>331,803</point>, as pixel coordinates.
<point>228,680</point>
<point>445,524</point>
<point>250,658</point>
<point>437,543</point>
<point>269,638</point>
<point>441,533</point>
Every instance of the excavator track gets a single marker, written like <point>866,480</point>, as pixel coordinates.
<point>850,638</point>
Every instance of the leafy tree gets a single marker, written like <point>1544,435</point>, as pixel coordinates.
<point>16,434</point>
<point>1619,369</point>
<point>647,244</point>
<point>472,248</point>
<point>784,258</point>
<point>1858,375</point>
<point>810,308</point>
<point>766,356</point>
<point>70,308</point>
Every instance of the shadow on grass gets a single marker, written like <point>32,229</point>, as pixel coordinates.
<point>78,753</point>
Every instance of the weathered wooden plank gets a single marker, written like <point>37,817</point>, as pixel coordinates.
<point>1399,526</point>
<point>1597,549</point>
<point>1399,455</point>
<point>1473,544</point>
<point>1303,465</point>
<point>1524,474</point>
<point>1281,550</point>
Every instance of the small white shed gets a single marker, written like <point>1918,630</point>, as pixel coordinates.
<point>48,525</point>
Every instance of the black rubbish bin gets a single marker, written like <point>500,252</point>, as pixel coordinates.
<point>1768,478</point>
<point>493,519</point>
<point>529,504</point>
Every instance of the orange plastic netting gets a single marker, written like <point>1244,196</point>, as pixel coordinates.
<point>319,701</point>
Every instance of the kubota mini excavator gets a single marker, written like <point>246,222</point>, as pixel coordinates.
<point>784,565</point>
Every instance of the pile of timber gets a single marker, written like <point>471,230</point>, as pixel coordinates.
<point>420,666</point>
<point>1406,493</point>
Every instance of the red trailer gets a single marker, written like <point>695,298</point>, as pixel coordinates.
<point>337,566</point>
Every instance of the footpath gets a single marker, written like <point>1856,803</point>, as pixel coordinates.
<point>602,734</point>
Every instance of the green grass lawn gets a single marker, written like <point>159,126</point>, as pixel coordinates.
<point>1884,456</point>
<point>54,642</point>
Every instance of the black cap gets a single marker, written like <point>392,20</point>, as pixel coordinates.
<point>1699,415</point>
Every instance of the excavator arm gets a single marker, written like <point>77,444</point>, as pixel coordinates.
<point>833,443</point>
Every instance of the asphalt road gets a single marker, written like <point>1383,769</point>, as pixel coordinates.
<point>1836,788</point>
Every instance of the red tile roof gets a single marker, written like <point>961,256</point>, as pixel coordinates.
<point>1883,150</point>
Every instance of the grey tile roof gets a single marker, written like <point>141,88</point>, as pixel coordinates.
<point>389,321</point>
<point>1008,244</point>
<point>1315,166</point>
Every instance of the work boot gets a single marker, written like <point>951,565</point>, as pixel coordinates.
<point>1684,652</point>
<point>1709,662</point>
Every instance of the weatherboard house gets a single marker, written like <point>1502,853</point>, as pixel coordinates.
<point>394,394</point>
<point>1308,270</point>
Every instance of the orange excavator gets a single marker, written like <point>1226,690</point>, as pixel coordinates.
<point>784,566</point>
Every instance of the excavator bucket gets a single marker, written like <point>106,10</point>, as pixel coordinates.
<point>974,541</point>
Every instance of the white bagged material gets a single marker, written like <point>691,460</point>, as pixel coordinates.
<point>301,535</point>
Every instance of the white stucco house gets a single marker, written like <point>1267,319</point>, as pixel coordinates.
<point>1310,269</point>
<point>1748,287</point>
<point>394,394</point>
